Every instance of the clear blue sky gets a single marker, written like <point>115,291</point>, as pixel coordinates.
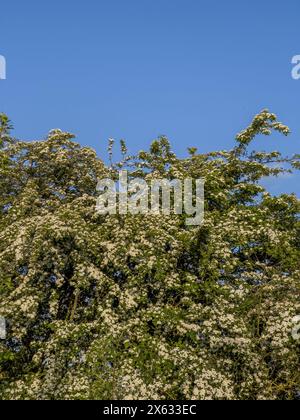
<point>194,70</point>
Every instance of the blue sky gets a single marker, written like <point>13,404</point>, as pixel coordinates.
<point>194,70</point>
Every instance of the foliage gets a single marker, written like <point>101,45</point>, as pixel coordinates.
<point>144,307</point>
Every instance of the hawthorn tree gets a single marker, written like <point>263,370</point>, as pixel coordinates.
<point>145,307</point>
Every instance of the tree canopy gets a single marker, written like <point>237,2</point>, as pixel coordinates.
<point>145,307</point>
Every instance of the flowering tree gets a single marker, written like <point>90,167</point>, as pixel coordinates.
<point>144,307</point>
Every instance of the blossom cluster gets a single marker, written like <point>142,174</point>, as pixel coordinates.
<point>144,306</point>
